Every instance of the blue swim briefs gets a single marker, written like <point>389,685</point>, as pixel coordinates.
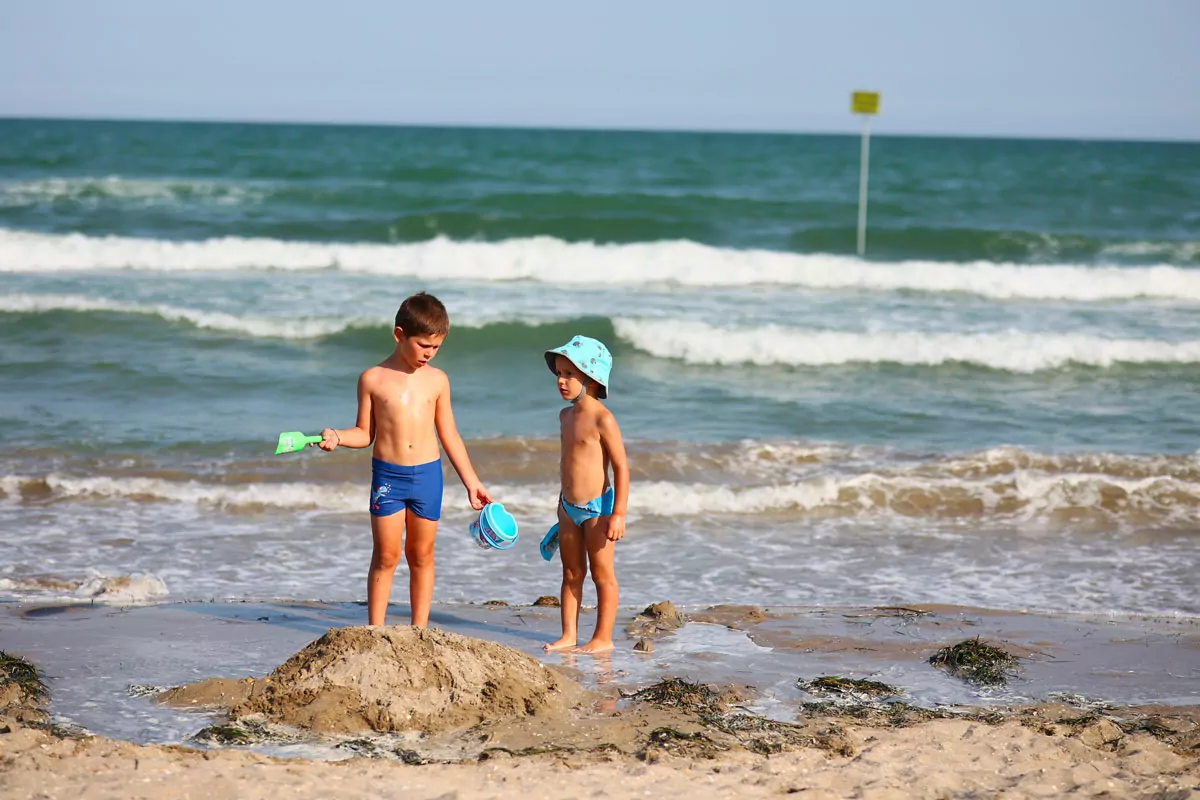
<point>394,488</point>
<point>600,507</point>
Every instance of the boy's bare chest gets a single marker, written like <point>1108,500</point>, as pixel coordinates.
<point>579,430</point>
<point>405,395</point>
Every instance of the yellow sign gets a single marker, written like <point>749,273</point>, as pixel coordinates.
<point>865,103</point>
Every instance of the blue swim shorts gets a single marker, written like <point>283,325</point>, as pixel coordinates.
<point>394,488</point>
<point>600,507</point>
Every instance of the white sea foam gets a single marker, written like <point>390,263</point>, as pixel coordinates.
<point>1014,351</point>
<point>299,496</point>
<point>96,588</point>
<point>291,327</point>
<point>123,589</point>
<point>551,260</point>
<point>1171,251</point>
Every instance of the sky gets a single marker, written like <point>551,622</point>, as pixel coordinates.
<point>1042,68</point>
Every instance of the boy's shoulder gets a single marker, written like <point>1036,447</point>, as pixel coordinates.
<point>605,414</point>
<point>598,412</point>
<point>435,377</point>
<point>377,374</point>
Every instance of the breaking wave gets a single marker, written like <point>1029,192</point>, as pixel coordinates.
<point>1003,485</point>
<point>550,260</point>
<point>1013,351</point>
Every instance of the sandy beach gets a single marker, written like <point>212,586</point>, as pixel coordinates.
<point>395,712</point>
<point>939,759</point>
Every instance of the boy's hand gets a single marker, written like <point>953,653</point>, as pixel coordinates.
<point>330,440</point>
<point>616,527</point>
<point>478,496</point>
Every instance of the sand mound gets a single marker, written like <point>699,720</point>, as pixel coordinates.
<point>396,679</point>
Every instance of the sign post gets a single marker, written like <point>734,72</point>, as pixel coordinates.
<point>866,104</point>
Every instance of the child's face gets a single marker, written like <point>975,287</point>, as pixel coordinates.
<point>570,379</point>
<point>418,350</point>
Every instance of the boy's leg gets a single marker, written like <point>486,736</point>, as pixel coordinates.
<point>418,551</point>
<point>601,558</point>
<point>387,534</point>
<point>573,554</point>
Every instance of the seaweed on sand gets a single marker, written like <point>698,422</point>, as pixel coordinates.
<point>895,713</point>
<point>24,697</point>
<point>247,731</point>
<point>756,733</point>
<point>16,671</point>
<point>225,734</point>
<point>682,694</point>
<point>976,662</point>
<point>875,703</point>
<point>849,687</point>
<point>679,743</point>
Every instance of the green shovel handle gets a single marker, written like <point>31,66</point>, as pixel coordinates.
<point>295,441</point>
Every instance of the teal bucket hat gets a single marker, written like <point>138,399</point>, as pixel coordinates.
<point>590,356</point>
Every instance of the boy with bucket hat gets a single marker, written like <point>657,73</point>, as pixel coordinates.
<point>591,509</point>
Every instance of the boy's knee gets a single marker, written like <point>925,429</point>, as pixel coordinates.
<point>386,559</point>
<point>603,582</point>
<point>574,577</point>
<point>419,557</point>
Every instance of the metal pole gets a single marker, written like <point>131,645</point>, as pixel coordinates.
<point>863,168</point>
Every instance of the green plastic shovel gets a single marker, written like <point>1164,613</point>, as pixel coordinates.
<point>294,442</point>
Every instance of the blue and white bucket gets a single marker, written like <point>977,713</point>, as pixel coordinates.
<point>495,528</point>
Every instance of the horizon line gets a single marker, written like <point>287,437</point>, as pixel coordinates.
<point>587,128</point>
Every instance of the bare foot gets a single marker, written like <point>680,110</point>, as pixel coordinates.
<point>595,646</point>
<point>565,643</point>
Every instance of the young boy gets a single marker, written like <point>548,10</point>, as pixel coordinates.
<point>591,510</point>
<point>404,408</point>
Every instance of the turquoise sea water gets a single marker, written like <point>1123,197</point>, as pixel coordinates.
<point>998,406</point>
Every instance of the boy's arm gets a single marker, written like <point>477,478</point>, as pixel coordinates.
<point>614,445</point>
<point>456,451</point>
<point>363,432</point>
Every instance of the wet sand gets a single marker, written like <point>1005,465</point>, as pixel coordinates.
<point>1099,706</point>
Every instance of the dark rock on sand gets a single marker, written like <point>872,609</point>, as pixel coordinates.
<point>655,619</point>
<point>1101,734</point>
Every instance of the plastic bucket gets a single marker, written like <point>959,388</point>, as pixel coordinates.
<point>495,528</point>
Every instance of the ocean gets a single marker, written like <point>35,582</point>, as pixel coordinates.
<point>997,407</point>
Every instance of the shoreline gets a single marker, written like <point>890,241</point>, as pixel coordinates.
<point>704,712</point>
<point>93,653</point>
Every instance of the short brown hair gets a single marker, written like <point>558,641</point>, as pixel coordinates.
<point>423,315</point>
